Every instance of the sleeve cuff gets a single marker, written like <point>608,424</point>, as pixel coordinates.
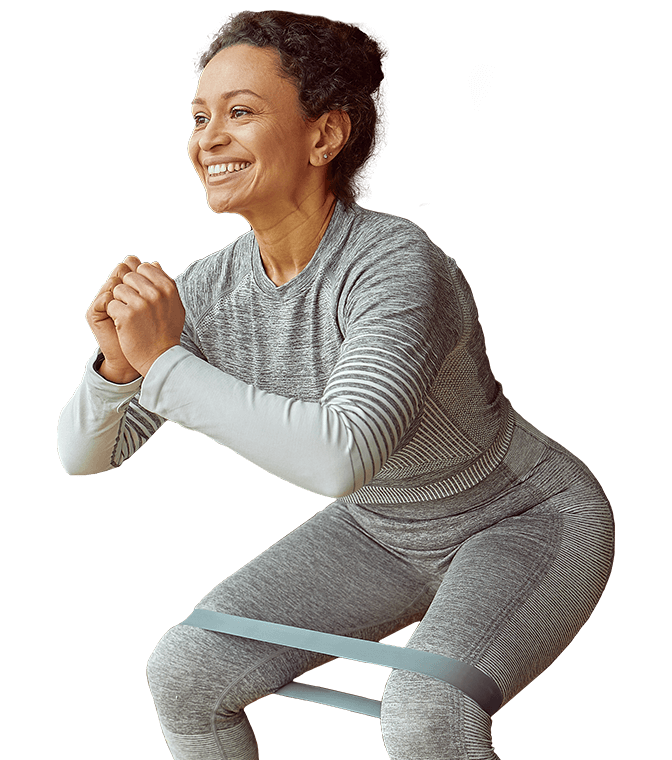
<point>106,390</point>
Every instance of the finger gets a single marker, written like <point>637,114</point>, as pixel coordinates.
<point>116,309</point>
<point>152,271</point>
<point>132,262</point>
<point>156,275</point>
<point>128,294</point>
<point>119,271</point>
<point>141,284</point>
<point>109,284</point>
<point>97,312</point>
<point>100,303</point>
<point>129,264</point>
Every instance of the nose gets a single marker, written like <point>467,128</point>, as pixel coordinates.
<point>213,135</point>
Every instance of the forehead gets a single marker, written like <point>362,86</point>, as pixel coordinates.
<point>245,67</point>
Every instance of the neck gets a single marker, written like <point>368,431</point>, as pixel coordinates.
<point>288,243</point>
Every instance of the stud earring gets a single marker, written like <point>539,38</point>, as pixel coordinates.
<point>326,156</point>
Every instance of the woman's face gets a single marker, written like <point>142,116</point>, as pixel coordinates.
<point>251,145</point>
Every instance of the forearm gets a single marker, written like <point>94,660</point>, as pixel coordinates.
<point>306,443</point>
<point>89,426</point>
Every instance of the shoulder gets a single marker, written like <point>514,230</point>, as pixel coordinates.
<point>383,247</point>
<point>385,228</point>
<point>389,266</point>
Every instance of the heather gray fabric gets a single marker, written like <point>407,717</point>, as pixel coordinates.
<point>365,378</point>
<point>367,372</point>
<point>501,577</point>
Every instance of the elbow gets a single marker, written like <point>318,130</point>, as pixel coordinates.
<point>334,494</point>
<point>76,465</point>
<point>71,463</point>
<point>340,489</point>
<point>337,482</point>
<point>69,468</point>
<point>343,475</point>
<point>79,467</point>
<point>337,491</point>
<point>79,460</point>
<point>79,452</point>
<point>322,483</point>
<point>74,471</point>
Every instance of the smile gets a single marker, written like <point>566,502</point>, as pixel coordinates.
<point>218,169</point>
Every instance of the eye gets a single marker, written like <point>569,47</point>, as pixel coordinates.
<point>200,119</point>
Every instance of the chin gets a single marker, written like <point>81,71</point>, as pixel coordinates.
<point>220,210</point>
<point>220,205</point>
<point>227,200</point>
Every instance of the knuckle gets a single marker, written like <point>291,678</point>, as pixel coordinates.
<point>120,270</point>
<point>146,270</point>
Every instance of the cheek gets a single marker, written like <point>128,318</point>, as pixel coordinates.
<point>192,150</point>
<point>295,151</point>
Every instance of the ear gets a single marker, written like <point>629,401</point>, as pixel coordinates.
<point>333,130</point>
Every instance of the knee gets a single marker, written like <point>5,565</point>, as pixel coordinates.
<point>187,679</point>
<point>197,675</point>
<point>172,674</point>
<point>424,719</point>
<point>419,718</point>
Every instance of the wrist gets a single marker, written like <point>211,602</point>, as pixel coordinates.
<point>146,365</point>
<point>117,375</point>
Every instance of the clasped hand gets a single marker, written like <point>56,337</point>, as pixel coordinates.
<point>136,317</point>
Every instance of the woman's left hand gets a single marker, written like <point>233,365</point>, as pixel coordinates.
<point>148,315</point>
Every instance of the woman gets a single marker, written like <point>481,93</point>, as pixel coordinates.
<point>339,349</point>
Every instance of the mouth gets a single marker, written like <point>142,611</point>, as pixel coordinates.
<point>216,171</point>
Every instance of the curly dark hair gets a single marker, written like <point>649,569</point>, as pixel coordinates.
<point>335,67</point>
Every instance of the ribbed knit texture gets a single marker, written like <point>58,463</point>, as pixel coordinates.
<point>235,743</point>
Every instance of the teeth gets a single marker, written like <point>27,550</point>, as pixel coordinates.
<point>227,168</point>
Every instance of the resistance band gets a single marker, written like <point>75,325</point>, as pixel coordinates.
<point>469,680</point>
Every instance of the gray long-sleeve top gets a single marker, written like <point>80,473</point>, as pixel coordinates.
<point>364,377</point>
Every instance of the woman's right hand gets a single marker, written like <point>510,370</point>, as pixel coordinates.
<point>115,366</point>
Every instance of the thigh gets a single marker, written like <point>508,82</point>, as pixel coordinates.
<point>517,593</point>
<point>326,575</point>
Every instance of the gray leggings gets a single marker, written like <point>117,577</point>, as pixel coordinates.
<point>501,577</point>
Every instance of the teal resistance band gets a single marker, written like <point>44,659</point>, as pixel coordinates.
<point>469,680</point>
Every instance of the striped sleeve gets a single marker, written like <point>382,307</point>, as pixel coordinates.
<point>136,428</point>
<point>394,346</point>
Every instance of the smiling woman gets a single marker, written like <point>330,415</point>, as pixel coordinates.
<point>261,110</point>
<point>251,141</point>
<point>340,349</point>
<point>334,67</point>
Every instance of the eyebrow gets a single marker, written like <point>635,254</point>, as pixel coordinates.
<point>228,96</point>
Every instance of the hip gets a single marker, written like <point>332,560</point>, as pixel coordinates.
<point>535,474</point>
